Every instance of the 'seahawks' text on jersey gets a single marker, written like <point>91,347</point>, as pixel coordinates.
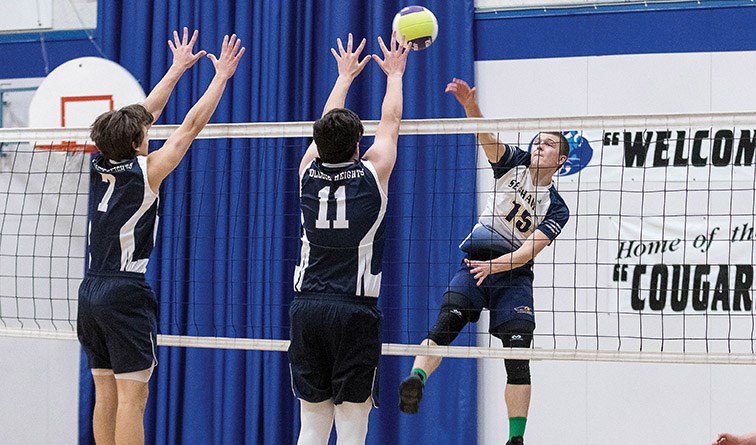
<point>342,229</point>
<point>516,208</point>
<point>123,215</point>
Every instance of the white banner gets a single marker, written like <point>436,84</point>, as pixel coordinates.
<point>659,249</point>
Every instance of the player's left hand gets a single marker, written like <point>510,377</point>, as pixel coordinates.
<point>182,49</point>
<point>482,269</point>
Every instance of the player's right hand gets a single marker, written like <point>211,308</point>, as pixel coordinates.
<point>462,92</point>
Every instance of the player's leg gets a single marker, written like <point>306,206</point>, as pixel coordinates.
<point>425,365</point>
<point>311,366</point>
<point>352,422</point>
<point>132,399</point>
<point>462,304</point>
<point>106,404</point>
<point>516,333</point>
<point>92,339</point>
<point>317,421</point>
<point>355,373</point>
<point>449,324</point>
<point>127,314</point>
<point>512,321</point>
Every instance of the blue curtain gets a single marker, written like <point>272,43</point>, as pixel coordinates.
<point>229,231</point>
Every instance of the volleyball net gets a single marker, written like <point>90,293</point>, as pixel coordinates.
<point>655,264</point>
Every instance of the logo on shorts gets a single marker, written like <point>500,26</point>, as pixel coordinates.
<point>456,312</point>
<point>524,310</point>
<point>516,337</point>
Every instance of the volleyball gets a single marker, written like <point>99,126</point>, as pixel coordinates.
<point>416,25</point>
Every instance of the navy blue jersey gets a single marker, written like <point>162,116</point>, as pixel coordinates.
<point>516,208</point>
<point>123,212</point>
<point>342,209</point>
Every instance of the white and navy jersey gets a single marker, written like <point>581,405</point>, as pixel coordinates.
<point>516,208</point>
<point>123,215</point>
<point>342,209</point>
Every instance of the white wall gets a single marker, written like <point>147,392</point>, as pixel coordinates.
<point>40,378</point>
<point>617,403</point>
<point>15,107</point>
<point>47,15</point>
<point>39,383</point>
<point>623,403</point>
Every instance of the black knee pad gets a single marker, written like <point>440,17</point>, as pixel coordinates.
<point>516,334</point>
<point>518,371</point>
<point>449,324</point>
<point>452,318</point>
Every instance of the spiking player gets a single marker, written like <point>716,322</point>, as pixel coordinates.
<point>335,320</point>
<point>523,216</point>
<point>117,315</point>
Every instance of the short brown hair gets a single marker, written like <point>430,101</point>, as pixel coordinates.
<point>336,134</point>
<point>117,133</point>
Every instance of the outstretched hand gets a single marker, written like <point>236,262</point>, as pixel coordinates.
<point>394,58</point>
<point>349,61</point>
<point>182,49</point>
<point>231,52</point>
<point>462,92</point>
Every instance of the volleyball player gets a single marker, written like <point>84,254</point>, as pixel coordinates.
<point>523,216</point>
<point>335,319</point>
<point>117,315</point>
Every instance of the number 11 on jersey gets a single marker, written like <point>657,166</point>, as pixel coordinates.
<point>340,197</point>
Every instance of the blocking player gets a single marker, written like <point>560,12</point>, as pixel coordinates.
<point>335,319</point>
<point>523,216</point>
<point>117,314</point>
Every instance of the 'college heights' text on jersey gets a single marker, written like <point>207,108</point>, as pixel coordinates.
<point>123,215</point>
<point>516,208</point>
<point>343,206</point>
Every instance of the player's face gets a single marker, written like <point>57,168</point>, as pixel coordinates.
<point>545,153</point>
<point>142,149</point>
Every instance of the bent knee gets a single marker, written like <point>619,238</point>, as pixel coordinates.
<point>518,371</point>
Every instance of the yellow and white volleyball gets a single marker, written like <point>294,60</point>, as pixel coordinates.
<point>416,25</point>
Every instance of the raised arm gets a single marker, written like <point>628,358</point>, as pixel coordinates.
<point>383,152</point>
<point>465,95</point>
<point>529,249</point>
<point>350,66</point>
<point>162,162</point>
<point>183,59</point>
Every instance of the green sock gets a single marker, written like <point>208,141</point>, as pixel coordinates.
<point>420,373</point>
<point>517,426</point>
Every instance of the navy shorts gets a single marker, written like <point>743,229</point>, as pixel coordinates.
<point>335,348</point>
<point>117,321</point>
<point>507,295</point>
